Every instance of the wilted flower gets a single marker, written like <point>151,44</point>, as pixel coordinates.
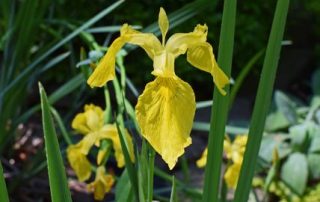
<point>166,108</point>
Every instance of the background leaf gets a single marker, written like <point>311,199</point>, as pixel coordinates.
<point>286,106</point>
<point>294,172</point>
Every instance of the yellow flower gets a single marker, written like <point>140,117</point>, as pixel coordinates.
<point>166,108</point>
<point>234,152</point>
<point>90,123</point>
<point>102,184</point>
<point>79,162</point>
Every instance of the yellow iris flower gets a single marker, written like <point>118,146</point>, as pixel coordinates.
<point>234,152</point>
<point>90,123</point>
<point>166,108</point>
<point>102,184</point>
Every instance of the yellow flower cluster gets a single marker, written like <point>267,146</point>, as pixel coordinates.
<point>91,125</point>
<point>234,152</point>
<point>166,108</point>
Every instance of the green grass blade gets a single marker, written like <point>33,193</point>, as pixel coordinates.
<point>75,33</point>
<point>57,177</point>
<point>220,108</point>
<point>3,188</point>
<point>64,90</point>
<point>262,102</point>
<point>129,165</point>
<point>63,129</point>
<point>173,196</point>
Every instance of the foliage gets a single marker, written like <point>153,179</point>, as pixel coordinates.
<point>294,131</point>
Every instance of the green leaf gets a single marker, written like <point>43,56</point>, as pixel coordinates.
<point>294,172</point>
<point>219,111</point>
<point>314,165</point>
<point>268,144</point>
<point>124,188</point>
<point>3,188</point>
<point>57,177</point>
<point>315,144</point>
<point>299,136</point>
<point>262,101</point>
<point>286,106</point>
<point>173,196</point>
<point>276,121</point>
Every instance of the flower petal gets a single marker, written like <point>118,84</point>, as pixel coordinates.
<point>203,160</point>
<point>105,70</point>
<point>201,56</point>
<point>102,184</point>
<point>79,162</point>
<point>90,120</point>
<point>179,43</point>
<point>163,23</point>
<point>165,113</point>
<point>232,174</point>
<point>110,132</point>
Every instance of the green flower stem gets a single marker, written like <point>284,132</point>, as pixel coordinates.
<point>151,155</point>
<point>262,103</point>
<point>107,115</point>
<point>220,108</point>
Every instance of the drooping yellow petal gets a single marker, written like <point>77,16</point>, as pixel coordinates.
<point>90,120</point>
<point>163,24</point>
<point>105,70</point>
<point>79,162</point>
<point>165,114</point>
<point>203,160</point>
<point>232,174</point>
<point>179,43</point>
<point>110,132</point>
<point>102,184</point>
<point>89,140</point>
<point>201,56</point>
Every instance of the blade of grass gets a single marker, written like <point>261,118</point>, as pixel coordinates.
<point>57,178</point>
<point>64,90</point>
<point>129,165</point>
<point>219,111</point>
<point>262,102</point>
<point>76,32</point>
<point>63,129</point>
<point>173,196</point>
<point>3,188</point>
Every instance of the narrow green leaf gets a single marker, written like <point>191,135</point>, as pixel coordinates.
<point>65,40</point>
<point>124,188</point>
<point>57,177</point>
<point>3,188</point>
<point>129,165</point>
<point>262,102</point>
<point>63,129</point>
<point>294,172</point>
<point>219,111</point>
<point>314,165</point>
<point>173,196</point>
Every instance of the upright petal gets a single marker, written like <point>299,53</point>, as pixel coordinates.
<point>163,24</point>
<point>201,56</point>
<point>165,114</point>
<point>79,162</point>
<point>179,43</point>
<point>105,70</point>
